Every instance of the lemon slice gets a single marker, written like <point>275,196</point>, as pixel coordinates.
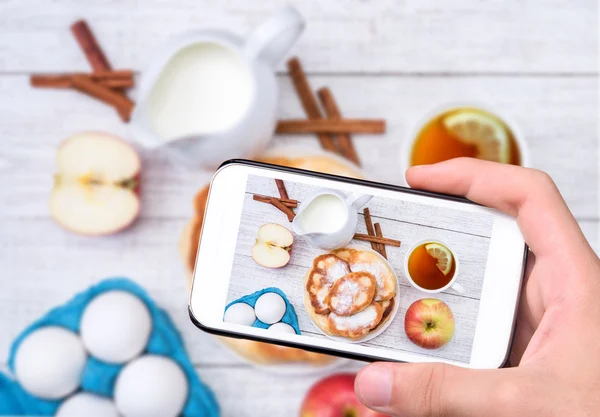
<point>483,131</point>
<point>443,256</point>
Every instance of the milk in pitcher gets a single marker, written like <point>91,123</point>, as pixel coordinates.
<point>327,213</point>
<point>204,88</point>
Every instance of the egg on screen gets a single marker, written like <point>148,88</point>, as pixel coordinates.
<point>270,308</point>
<point>116,326</point>
<point>88,405</point>
<point>151,386</point>
<point>282,328</point>
<point>240,313</point>
<point>49,362</point>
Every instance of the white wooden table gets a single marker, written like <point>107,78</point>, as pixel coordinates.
<point>536,61</point>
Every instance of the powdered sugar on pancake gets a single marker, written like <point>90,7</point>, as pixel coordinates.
<point>356,325</point>
<point>351,293</point>
<point>348,291</point>
<point>384,290</point>
<point>337,270</point>
<point>327,269</point>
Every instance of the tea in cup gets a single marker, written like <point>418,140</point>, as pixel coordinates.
<point>465,131</point>
<point>432,267</point>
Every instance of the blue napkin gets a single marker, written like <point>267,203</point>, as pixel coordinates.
<point>289,317</point>
<point>99,377</point>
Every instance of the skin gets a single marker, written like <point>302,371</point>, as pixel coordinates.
<point>556,351</point>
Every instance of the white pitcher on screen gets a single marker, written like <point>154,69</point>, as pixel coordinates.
<point>328,218</point>
<point>210,95</point>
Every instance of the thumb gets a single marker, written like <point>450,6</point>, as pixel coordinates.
<point>415,390</point>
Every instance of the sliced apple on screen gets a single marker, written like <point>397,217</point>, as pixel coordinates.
<point>96,187</point>
<point>273,246</point>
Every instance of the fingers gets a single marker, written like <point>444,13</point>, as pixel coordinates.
<point>529,195</point>
<point>414,390</point>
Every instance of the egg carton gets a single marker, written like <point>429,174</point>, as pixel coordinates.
<point>289,317</point>
<point>98,377</point>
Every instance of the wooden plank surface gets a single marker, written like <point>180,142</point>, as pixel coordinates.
<point>246,391</point>
<point>557,115</point>
<point>390,36</point>
<point>534,61</point>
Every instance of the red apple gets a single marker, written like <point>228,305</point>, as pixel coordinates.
<point>273,246</point>
<point>96,187</point>
<point>429,323</point>
<point>334,397</point>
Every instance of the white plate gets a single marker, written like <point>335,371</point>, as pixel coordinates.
<point>370,335</point>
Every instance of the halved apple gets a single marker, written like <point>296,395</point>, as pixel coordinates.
<point>273,246</point>
<point>96,186</point>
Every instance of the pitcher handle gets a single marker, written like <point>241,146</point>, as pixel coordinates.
<point>358,200</point>
<point>275,37</point>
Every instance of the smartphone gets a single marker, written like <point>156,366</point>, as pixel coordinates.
<point>355,268</point>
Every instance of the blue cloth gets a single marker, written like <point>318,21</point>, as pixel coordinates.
<point>289,317</point>
<point>99,377</point>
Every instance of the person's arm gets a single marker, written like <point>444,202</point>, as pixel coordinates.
<point>556,351</point>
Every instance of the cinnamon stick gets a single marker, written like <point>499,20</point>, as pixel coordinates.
<point>333,113</point>
<point>370,229</point>
<point>286,210</point>
<point>309,103</point>
<point>282,191</point>
<point>379,233</point>
<point>123,105</point>
<point>110,79</point>
<point>87,41</point>
<point>331,126</point>
<point>266,199</point>
<point>377,240</point>
<point>97,60</point>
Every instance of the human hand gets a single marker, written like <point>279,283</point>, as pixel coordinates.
<point>556,349</point>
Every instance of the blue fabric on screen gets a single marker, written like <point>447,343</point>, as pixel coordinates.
<point>289,317</point>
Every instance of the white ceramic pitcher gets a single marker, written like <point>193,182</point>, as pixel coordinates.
<point>247,135</point>
<point>341,237</point>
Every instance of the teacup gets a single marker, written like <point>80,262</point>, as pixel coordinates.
<point>516,137</point>
<point>447,284</point>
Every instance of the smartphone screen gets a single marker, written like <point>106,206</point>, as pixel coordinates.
<point>368,270</point>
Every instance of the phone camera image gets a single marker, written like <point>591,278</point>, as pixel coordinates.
<point>358,268</point>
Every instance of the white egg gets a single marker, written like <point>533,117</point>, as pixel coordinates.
<point>116,326</point>
<point>88,405</point>
<point>151,386</point>
<point>270,308</point>
<point>282,328</point>
<point>240,313</point>
<point>49,362</point>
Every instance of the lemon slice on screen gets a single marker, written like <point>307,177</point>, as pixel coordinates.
<point>485,132</point>
<point>443,256</point>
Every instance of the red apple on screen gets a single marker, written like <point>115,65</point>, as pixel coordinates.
<point>96,187</point>
<point>429,323</point>
<point>334,397</point>
<point>273,246</point>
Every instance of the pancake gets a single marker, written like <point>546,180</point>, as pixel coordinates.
<point>357,325</point>
<point>388,309</point>
<point>367,261</point>
<point>327,269</point>
<point>351,294</point>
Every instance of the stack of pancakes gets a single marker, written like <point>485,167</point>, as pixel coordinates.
<point>350,293</point>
